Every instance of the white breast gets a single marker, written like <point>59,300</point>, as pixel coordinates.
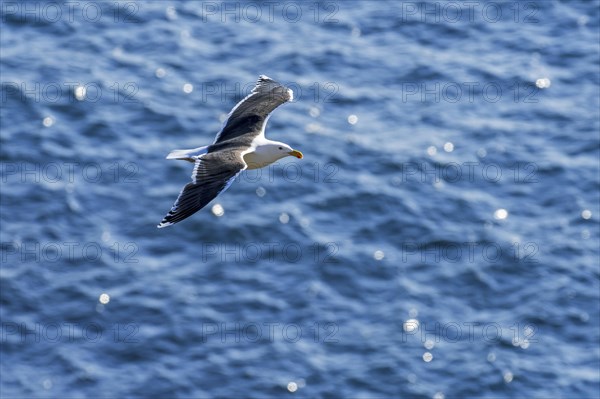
<point>256,160</point>
<point>261,153</point>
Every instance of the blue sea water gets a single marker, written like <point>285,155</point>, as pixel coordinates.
<point>438,240</point>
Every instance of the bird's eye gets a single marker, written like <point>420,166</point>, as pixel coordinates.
<point>281,148</point>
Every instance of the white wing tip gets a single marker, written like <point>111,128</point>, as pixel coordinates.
<point>163,224</point>
<point>264,78</point>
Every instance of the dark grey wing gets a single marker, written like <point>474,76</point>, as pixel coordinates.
<point>250,115</point>
<point>213,173</point>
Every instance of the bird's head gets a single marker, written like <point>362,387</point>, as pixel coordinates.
<point>283,150</point>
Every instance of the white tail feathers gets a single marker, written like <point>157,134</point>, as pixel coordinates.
<point>188,155</point>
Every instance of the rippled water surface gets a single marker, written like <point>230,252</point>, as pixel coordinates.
<point>438,240</point>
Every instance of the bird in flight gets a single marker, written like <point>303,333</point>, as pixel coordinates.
<point>241,144</point>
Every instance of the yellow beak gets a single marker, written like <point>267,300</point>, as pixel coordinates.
<point>296,154</point>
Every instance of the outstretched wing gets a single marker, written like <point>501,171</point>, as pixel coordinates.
<point>250,115</point>
<point>213,173</point>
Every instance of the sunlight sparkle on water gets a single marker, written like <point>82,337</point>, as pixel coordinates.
<point>217,210</point>
<point>188,88</point>
<point>543,83</point>
<point>501,214</point>
<point>261,192</point>
<point>292,386</point>
<point>104,298</point>
<point>352,119</point>
<point>586,214</point>
<point>448,147</point>
<point>378,255</point>
<point>439,395</point>
<point>314,112</point>
<point>431,150</point>
<point>160,73</point>
<point>508,376</point>
<point>312,127</point>
<point>80,93</point>
<point>48,121</point>
<point>427,357</point>
<point>284,218</point>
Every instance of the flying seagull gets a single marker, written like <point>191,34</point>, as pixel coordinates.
<point>241,144</point>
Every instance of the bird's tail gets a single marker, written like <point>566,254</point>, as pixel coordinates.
<point>188,155</point>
